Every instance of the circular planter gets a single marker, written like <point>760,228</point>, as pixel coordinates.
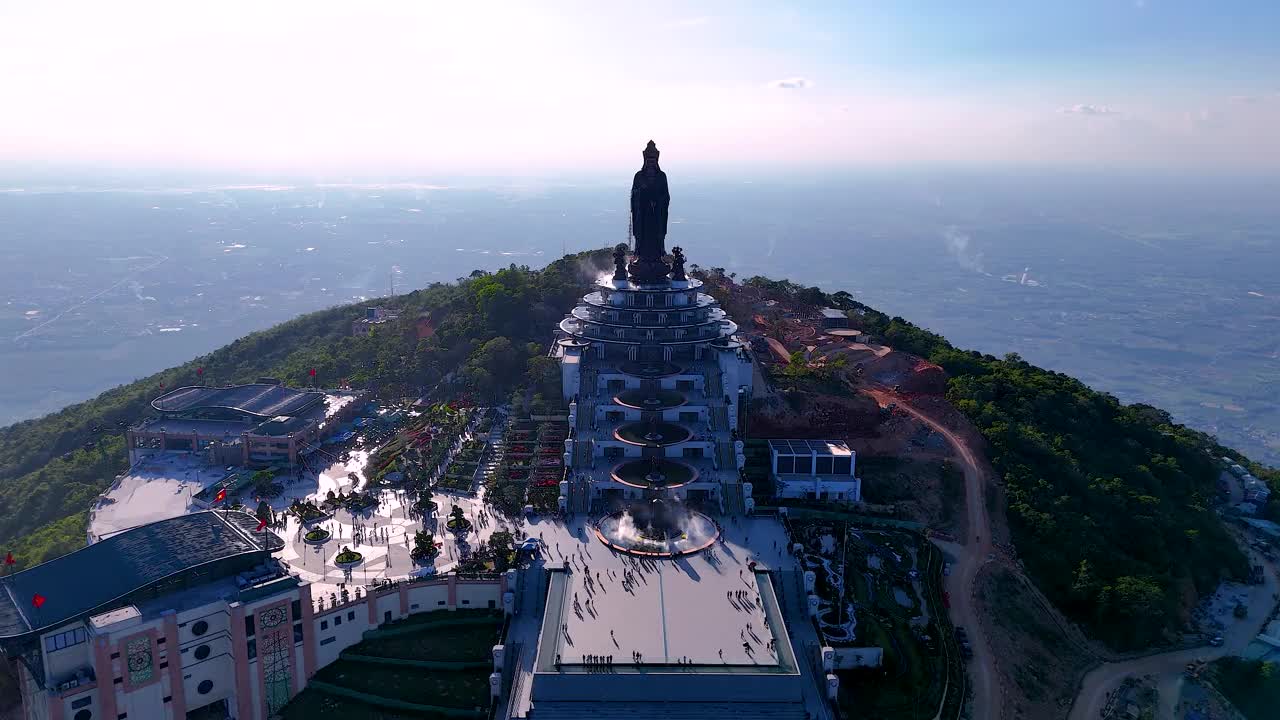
<point>348,558</point>
<point>458,526</point>
<point>316,536</point>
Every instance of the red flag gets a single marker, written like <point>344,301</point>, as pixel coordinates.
<point>199,371</point>
<point>37,601</point>
<point>312,372</point>
<point>222,495</point>
<point>261,524</point>
<point>8,559</point>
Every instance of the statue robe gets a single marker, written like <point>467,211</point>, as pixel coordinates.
<point>649,202</point>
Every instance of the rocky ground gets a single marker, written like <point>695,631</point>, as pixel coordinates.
<point>1037,665</point>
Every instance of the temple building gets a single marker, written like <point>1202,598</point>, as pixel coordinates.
<point>655,381</point>
<point>656,384</point>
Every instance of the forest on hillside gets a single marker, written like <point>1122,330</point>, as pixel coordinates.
<point>1110,505</point>
<point>488,335</point>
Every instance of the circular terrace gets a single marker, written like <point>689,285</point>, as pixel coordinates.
<point>652,434</point>
<point>644,474</point>
<point>650,400</point>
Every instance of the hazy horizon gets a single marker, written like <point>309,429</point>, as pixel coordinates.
<point>399,89</point>
<point>1157,290</point>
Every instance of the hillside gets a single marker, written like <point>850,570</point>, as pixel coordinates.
<point>1109,504</point>
<point>51,468</point>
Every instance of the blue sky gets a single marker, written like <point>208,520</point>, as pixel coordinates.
<point>429,89</point>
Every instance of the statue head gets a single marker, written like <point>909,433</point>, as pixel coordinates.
<point>651,156</point>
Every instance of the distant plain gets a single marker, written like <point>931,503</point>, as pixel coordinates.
<point>1157,291</point>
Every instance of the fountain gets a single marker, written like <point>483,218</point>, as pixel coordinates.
<point>657,528</point>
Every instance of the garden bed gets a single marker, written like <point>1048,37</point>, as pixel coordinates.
<point>454,482</point>
<point>348,558</point>
<point>544,499</point>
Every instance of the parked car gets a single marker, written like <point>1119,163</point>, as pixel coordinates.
<point>1216,641</point>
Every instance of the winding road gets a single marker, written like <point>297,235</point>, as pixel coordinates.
<point>1167,667</point>
<point>976,550</point>
<point>971,555</point>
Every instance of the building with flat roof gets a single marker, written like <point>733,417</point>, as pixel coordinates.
<point>254,425</point>
<point>833,319</point>
<point>188,614</point>
<point>164,485</point>
<point>814,470</point>
<point>373,317</point>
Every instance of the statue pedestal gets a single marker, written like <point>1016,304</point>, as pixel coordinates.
<point>648,270</point>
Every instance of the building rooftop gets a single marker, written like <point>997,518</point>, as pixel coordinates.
<point>101,576</point>
<point>686,608</point>
<point>261,400</point>
<point>158,488</point>
<point>833,313</point>
<point>809,447</point>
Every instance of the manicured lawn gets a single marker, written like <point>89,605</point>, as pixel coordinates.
<point>310,704</point>
<point>467,689</point>
<point>450,643</point>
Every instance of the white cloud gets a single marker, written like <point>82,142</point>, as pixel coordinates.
<point>794,83</point>
<point>1085,109</point>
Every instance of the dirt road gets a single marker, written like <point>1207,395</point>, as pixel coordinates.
<point>975,551</point>
<point>1168,667</point>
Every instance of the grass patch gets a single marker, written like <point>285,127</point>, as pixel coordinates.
<point>310,704</point>
<point>448,643</point>
<point>466,689</point>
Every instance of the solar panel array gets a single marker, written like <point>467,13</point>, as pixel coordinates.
<point>807,447</point>
<point>259,399</point>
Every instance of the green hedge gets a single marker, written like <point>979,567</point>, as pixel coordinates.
<point>419,627</point>
<point>429,664</point>
<point>391,703</point>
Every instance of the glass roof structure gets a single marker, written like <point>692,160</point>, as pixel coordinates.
<point>809,447</point>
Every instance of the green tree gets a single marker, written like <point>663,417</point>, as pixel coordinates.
<point>502,545</point>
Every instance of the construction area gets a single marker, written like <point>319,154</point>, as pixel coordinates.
<point>808,359</point>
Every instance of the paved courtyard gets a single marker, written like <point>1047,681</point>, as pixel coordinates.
<point>387,531</point>
<point>698,609</point>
